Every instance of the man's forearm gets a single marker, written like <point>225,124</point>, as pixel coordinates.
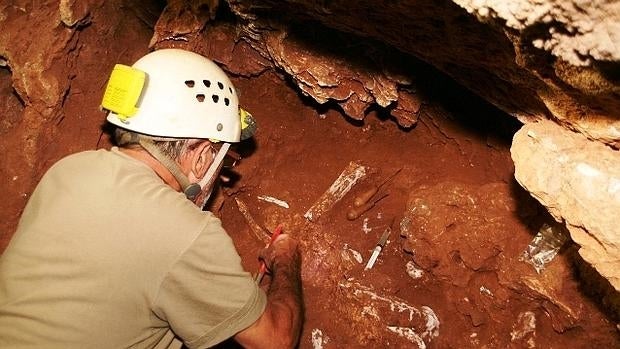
<point>280,324</point>
<point>285,296</point>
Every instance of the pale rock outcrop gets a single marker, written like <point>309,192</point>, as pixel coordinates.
<point>580,31</point>
<point>585,38</point>
<point>578,180</point>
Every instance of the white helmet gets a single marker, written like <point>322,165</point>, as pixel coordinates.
<point>178,94</point>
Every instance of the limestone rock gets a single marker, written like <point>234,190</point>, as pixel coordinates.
<point>579,182</point>
<point>335,70</point>
<point>326,76</point>
<point>579,31</point>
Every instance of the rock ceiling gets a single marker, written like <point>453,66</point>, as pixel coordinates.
<point>532,59</point>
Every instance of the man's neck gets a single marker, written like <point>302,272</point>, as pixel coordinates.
<point>160,170</point>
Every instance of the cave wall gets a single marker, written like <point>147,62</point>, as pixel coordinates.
<point>536,60</point>
<point>55,58</point>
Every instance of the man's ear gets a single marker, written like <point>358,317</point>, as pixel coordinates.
<point>202,157</point>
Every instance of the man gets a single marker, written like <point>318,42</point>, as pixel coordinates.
<point>113,249</point>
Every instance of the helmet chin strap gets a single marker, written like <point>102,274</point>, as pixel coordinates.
<point>209,178</point>
<point>191,190</point>
<point>171,165</point>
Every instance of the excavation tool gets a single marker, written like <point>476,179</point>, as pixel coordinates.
<point>365,197</point>
<point>369,198</point>
<point>263,266</point>
<point>356,212</point>
<point>380,244</point>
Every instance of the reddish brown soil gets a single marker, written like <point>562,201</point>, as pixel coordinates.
<point>466,249</point>
<point>455,164</point>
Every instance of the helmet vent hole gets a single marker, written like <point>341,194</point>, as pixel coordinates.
<point>189,83</point>
<point>220,85</point>
<point>200,97</point>
<point>216,98</point>
<point>207,83</point>
<point>226,101</point>
<point>230,89</point>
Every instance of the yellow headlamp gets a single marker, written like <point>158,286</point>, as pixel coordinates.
<point>122,94</point>
<point>248,124</point>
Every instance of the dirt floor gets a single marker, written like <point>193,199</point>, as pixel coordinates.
<point>450,275</point>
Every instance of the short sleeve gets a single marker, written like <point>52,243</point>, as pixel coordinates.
<point>207,297</point>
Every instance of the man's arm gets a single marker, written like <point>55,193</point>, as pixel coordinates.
<point>280,324</point>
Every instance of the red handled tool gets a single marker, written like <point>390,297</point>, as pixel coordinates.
<point>263,266</point>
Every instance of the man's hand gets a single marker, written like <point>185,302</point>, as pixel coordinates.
<point>284,250</point>
<point>280,324</point>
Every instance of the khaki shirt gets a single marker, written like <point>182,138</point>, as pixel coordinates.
<point>106,255</point>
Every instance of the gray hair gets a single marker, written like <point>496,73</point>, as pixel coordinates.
<point>172,147</point>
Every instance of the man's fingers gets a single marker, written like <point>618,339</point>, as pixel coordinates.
<point>283,247</point>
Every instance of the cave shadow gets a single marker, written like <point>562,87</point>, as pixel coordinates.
<point>530,213</point>
<point>469,111</point>
<point>595,288</point>
<point>227,344</point>
<point>106,135</point>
